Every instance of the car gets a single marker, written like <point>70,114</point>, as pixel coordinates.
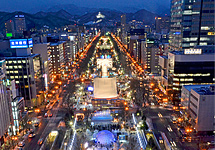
<point>21,144</point>
<point>46,115</point>
<point>160,139</point>
<point>50,115</point>
<point>31,135</point>
<point>40,141</point>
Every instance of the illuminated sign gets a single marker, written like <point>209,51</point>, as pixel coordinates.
<point>9,35</point>
<point>192,51</point>
<point>30,42</point>
<point>21,43</point>
<point>90,88</point>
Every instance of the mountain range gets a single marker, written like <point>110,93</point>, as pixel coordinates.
<point>56,17</point>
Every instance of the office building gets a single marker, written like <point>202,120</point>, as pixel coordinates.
<point>4,104</point>
<point>201,109</point>
<point>9,28</point>
<point>26,69</point>
<point>151,54</point>
<point>58,59</point>
<point>20,24</point>
<point>44,50</point>
<point>133,36</point>
<point>192,23</point>
<point>27,72</point>
<point>162,24</point>
<point>195,66</point>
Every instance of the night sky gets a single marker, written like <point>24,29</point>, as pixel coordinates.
<point>38,5</point>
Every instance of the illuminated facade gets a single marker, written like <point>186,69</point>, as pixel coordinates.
<point>9,27</point>
<point>4,104</point>
<point>188,69</point>
<point>20,25</point>
<point>27,73</point>
<point>192,23</point>
<point>57,56</point>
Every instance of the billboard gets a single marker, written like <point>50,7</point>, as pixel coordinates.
<point>9,34</point>
<point>21,43</point>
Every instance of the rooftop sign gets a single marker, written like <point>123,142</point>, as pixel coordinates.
<point>192,51</point>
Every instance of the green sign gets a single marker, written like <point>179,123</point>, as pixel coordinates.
<point>9,34</point>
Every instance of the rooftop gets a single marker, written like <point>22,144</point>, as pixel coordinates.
<point>58,43</point>
<point>205,90</point>
<point>21,57</point>
<point>189,87</point>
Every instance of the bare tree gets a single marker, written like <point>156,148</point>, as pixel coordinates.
<point>132,144</point>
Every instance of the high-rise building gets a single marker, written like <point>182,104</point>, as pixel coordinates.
<point>151,56</point>
<point>124,29</point>
<point>192,23</point>
<point>57,57</point>
<point>44,50</point>
<point>9,28</point>
<point>26,69</point>
<point>162,24</point>
<point>27,72</point>
<point>133,36</point>
<point>4,104</point>
<point>186,68</point>
<point>20,24</point>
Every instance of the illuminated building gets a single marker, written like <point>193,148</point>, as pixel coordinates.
<point>26,69</point>
<point>201,107</point>
<point>57,58</point>
<point>162,24</point>
<point>44,50</point>
<point>9,28</point>
<point>27,72</point>
<point>133,36</point>
<point>4,104</point>
<point>151,55</point>
<point>193,66</point>
<point>20,25</point>
<point>192,23</point>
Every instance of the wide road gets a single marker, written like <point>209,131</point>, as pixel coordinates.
<point>46,126</point>
<point>161,124</point>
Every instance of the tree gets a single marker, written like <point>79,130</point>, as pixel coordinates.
<point>132,144</point>
<point>68,97</point>
<point>139,91</point>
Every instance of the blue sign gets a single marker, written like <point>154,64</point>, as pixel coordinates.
<point>90,88</point>
<point>30,42</point>
<point>21,43</point>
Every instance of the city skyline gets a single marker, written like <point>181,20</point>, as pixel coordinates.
<point>81,77</point>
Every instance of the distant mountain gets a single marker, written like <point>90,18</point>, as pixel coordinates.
<point>142,15</point>
<point>61,14</point>
<point>61,17</point>
<point>74,10</point>
<point>56,19</point>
